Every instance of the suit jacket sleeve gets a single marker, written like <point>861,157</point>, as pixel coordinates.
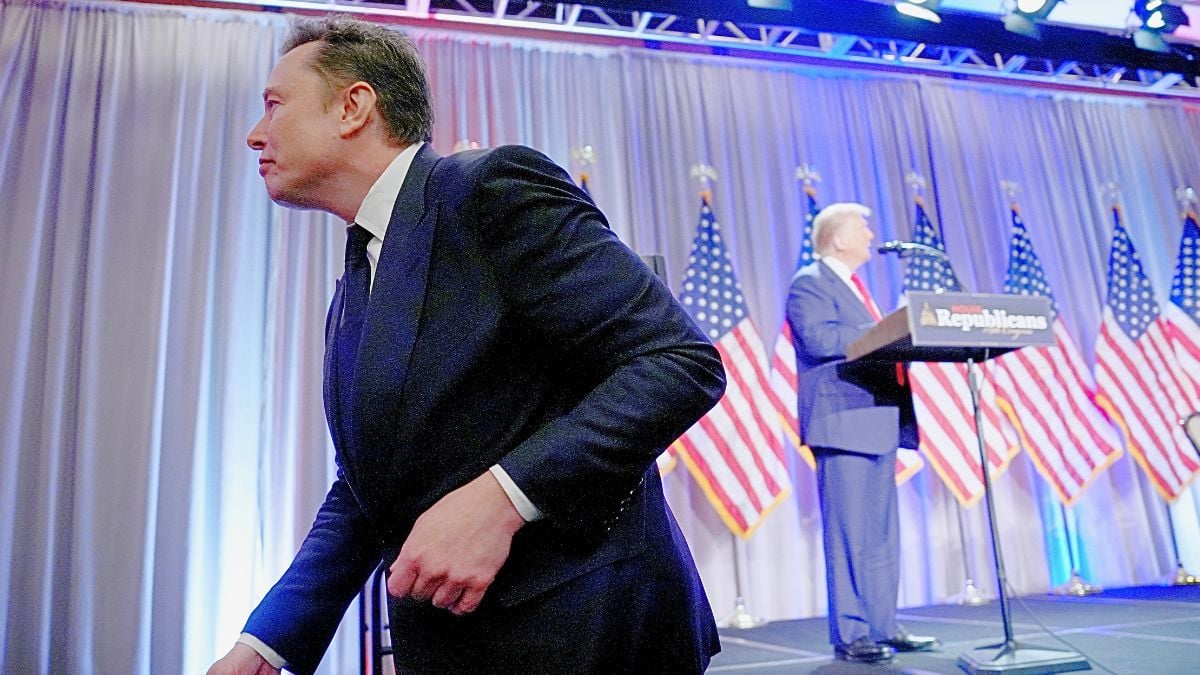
<point>300,614</point>
<point>813,313</point>
<point>565,273</point>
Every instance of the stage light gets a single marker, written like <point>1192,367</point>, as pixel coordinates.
<point>1158,19</point>
<point>926,10</point>
<point>1025,17</point>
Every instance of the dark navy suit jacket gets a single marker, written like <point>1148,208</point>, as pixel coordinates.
<point>858,407</point>
<point>506,324</point>
<point>854,415</point>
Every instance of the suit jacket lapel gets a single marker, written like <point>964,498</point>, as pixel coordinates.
<point>849,297</point>
<point>397,296</point>
<point>329,389</point>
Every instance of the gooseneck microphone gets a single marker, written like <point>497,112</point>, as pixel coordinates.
<point>911,248</point>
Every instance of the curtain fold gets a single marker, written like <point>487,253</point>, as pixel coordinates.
<point>162,441</point>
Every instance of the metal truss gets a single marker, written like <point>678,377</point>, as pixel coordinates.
<point>751,40</point>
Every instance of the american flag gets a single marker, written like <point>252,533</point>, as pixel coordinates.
<point>1048,392</point>
<point>1140,381</point>
<point>784,381</point>
<point>667,461</point>
<point>735,451</point>
<point>1183,314</point>
<point>908,463</point>
<point>941,399</point>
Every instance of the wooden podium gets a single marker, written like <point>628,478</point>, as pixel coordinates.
<point>971,328</point>
<point>956,327</point>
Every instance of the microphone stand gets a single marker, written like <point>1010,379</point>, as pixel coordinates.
<point>1008,656</point>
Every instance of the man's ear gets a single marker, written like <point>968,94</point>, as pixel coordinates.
<point>838,241</point>
<point>358,105</point>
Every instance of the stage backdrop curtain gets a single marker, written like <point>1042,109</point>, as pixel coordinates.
<point>162,443</point>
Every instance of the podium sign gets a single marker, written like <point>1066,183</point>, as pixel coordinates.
<point>957,327</point>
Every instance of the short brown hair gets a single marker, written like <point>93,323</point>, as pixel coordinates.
<point>356,51</point>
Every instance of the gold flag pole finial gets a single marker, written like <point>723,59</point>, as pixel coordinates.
<point>707,175</point>
<point>1010,189</point>
<point>1186,197</point>
<point>917,183</point>
<point>807,174</point>
<point>1111,192</point>
<point>584,156</point>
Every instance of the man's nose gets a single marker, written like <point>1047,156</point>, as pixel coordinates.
<point>257,139</point>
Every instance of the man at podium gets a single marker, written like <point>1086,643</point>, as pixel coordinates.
<point>854,416</point>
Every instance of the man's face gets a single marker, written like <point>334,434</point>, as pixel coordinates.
<point>856,237</point>
<point>298,133</point>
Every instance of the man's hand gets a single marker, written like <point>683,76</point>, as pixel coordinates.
<point>242,660</point>
<point>456,548</point>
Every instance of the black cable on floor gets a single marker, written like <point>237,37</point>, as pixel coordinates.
<point>1028,610</point>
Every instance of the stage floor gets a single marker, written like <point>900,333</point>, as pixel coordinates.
<point>1131,631</point>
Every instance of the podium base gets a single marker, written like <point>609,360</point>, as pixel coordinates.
<point>740,618</point>
<point>1013,659</point>
<point>1077,587</point>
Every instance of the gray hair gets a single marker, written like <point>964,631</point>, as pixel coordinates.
<point>830,221</point>
<point>356,51</point>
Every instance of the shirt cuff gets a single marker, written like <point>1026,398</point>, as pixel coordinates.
<point>263,650</point>
<point>519,501</point>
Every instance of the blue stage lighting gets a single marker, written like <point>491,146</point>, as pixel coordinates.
<point>1158,19</point>
<point>1026,16</point>
<point>925,10</point>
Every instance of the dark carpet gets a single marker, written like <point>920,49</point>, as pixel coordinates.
<point>1131,631</point>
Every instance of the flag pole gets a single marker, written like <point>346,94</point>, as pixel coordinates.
<point>1076,585</point>
<point>584,157</point>
<point>1186,197</point>
<point>970,594</point>
<point>741,617</point>
<point>1182,576</point>
<point>1191,429</point>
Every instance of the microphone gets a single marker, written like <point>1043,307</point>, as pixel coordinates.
<point>910,247</point>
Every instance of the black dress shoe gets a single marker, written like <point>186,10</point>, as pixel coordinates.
<point>862,650</point>
<point>907,642</point>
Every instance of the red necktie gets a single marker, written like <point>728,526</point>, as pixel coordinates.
<point>866,297</point>
<point>874,310</point>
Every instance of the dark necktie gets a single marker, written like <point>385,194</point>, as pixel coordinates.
<point>356,290</point>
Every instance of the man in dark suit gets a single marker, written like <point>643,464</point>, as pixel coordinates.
<point>854,416</point>
<point>500,374</point>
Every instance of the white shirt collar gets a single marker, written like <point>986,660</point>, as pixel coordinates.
<point>375,212</point>
<point>844,273</point>
<point>839,268</point>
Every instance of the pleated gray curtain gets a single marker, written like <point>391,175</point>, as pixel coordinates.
<point>162,443</point>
